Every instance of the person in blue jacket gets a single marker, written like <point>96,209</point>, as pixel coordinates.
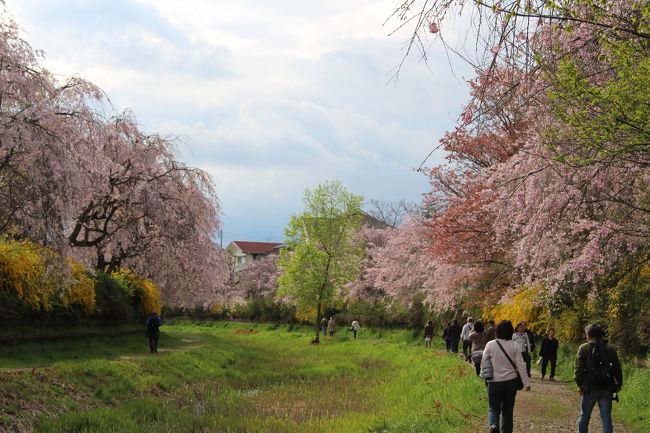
<point>153,323</point>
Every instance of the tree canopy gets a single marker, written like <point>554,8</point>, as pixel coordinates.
<point>323,250</point>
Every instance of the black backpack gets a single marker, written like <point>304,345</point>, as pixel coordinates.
<point>600,373</point>
<point>153,323</point>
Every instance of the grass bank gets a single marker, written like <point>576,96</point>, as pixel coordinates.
<point>239,378</point>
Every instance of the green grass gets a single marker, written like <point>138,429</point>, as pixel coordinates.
<point>225,377</point>
<point>243,378</point>
<point>33,349</point>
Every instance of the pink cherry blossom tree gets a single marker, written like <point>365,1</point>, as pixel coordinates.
<point>90,183</point>
<point>547,174</point>
<point>260,278</point>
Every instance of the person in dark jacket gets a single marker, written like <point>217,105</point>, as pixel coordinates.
<point>453,333</point>
<point>548,353</point>
<point>445,336</point>
<point>428,334</point>
<point>490,331</point>
<point>531,337</point>
<point>591,391</point>
<point>153,323</point>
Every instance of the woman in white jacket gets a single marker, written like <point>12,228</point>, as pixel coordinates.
<point>503,382</point>
<point>521,338</point>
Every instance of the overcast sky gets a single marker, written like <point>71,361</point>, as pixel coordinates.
<point>269,97</point>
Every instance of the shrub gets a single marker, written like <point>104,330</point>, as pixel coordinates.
<point>145,296</point>
<point>23,272</point>
<point>113,302</point>
<point>525,305</point>
<point>81,288</point>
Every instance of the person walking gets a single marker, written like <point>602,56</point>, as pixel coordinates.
<point>548,353</point>
<point>464,335</point>
<point>445,336</point>
<point>453,333</point>
<point>489,332</point>
<point>323,326</point>
<point>508,375</point>
<point>153,324</point>
<point>478,339</point>
<point>355,327</point>
<point>531,339</point>
<point>428,334</point>
<point>331,327</point>
<point>521,337</point>
<point>599,377</point>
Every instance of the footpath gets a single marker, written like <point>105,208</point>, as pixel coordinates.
<point>551,407</point>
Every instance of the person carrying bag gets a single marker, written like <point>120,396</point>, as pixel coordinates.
<point>508,376</point>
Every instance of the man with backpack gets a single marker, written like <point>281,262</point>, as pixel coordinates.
<point>599,377</point>
<point>153,324</point>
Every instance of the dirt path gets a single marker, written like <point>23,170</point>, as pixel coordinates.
<point>551,407</point>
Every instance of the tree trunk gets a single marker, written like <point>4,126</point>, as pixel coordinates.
<point>317,338</point>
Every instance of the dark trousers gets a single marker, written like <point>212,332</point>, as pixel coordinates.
<point>153,340</point>
<point>355,334</point>
<point>501,404</point>
<point>545,362</point>
<point>477,367</point>
<point>448,344</point>
<point>454,345</point>
<point>526,356</point>
<point>467,346</point>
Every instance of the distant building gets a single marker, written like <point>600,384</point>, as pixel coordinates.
<point>243,253</point>
<point>370,221</point>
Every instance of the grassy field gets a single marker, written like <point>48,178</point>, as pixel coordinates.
<point>237,378</point>
<point>226,377</point>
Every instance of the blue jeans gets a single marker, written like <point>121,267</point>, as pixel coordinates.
<point>501,404</point>
<point>589,400</point>
<point>324,329</point>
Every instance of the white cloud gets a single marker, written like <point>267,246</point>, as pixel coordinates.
<point>271,97</point>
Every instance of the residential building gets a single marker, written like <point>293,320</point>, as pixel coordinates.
<point>243,253</point>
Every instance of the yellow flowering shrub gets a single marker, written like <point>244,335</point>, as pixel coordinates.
<point>23,272</point>
<point>143,292</point>
<point>305,314</point>
<point>150,300</point>
<point>81,290</point>
<point>525,305</point>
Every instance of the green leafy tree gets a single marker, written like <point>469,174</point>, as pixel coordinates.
<point>323,249</point>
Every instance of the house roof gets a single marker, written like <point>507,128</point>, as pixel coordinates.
<point>372,222</point>
<point>256,247</point>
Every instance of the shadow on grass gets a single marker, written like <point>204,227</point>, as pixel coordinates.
<point>43,353</point>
